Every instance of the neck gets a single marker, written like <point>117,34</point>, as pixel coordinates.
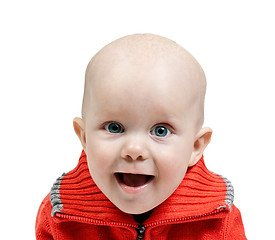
<point>140,218</point>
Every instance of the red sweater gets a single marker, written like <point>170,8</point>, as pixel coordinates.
<point>200,208</point>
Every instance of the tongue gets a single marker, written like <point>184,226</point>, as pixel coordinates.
<point>134,180</point>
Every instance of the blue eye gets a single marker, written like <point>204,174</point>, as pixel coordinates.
<point>113,127</point>
<point>161,131</point>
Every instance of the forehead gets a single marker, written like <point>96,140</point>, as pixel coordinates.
<point>159,84</point>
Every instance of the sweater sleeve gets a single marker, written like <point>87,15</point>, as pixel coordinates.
<point>234,228</point>
<point>43,229</point>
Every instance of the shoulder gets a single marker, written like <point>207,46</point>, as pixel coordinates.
<point>233,228</point>
<point>45,207</point>
<point>43,219</point>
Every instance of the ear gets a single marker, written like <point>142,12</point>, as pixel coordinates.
<point>80,132</point>
<point>202,140</point>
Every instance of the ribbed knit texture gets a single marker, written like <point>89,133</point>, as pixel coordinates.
<point>80,196</point>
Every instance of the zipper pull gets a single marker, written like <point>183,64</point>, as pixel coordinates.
<point>140,232</point>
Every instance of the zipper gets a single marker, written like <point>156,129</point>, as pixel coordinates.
<point>93,221</point>
<point>140,231</point>
<point>181,220</point>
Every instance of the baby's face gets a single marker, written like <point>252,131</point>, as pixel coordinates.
<point>139,131</point>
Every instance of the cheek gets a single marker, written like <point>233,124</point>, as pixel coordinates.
<point>100,154</point>
<point>172,161</point>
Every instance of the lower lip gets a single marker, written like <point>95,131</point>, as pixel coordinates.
<point>134,190</point>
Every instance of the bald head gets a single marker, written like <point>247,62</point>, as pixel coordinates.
<point>145,53</point>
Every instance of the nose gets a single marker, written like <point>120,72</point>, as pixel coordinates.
<point>135,149</point>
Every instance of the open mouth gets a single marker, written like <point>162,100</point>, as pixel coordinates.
<point>133,180</point>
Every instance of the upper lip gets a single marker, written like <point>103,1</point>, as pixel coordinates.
<point>134,172</point>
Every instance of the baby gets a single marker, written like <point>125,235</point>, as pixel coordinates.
<point>141,174</point>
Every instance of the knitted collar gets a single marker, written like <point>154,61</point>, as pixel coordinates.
<point>75,196</point>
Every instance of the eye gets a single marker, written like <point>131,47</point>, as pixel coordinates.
<point>160,131</point>
<point>113,127</point>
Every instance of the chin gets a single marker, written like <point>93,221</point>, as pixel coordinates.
<point>131,210</point>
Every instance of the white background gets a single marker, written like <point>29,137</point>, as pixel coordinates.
<point>45,47</point>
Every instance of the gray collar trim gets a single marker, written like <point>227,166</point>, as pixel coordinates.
<point>230,192</point>
<point>57,205</point>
